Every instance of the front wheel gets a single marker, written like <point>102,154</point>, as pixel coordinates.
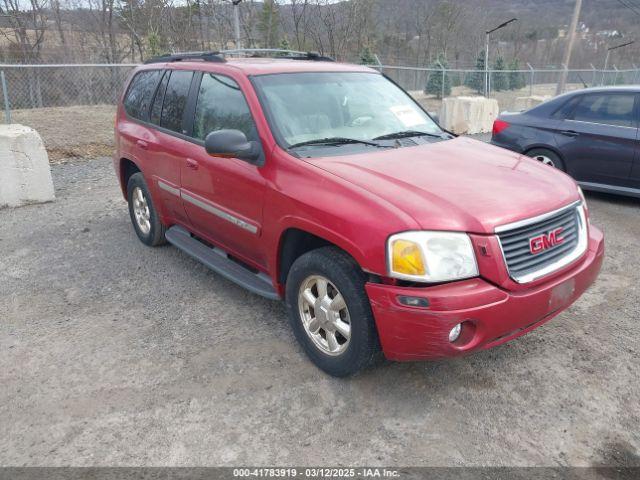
<point>329,311</point>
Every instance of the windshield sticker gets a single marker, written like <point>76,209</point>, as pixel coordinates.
<point>407,115</point>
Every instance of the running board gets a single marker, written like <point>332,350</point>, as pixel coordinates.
<point>218,261</point>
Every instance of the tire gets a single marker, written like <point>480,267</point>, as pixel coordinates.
<point>345,278</point>
<point>149,230</point>
<point>547,157</point>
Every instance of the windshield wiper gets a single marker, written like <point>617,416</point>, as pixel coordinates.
<point>406,134</point>
<point>331,141</point>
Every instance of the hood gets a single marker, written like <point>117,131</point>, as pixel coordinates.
<point>457,185</point>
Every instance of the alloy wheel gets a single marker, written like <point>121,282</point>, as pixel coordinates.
<point>141,210</point>
<point>544,160</point>
<point>324,315</point>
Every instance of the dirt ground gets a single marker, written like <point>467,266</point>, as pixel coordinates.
<point>113,353</point>
<point>84,131</point>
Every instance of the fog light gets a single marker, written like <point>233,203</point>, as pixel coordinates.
<point>455,333</point>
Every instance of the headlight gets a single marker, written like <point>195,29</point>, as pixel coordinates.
<point>431,256</point>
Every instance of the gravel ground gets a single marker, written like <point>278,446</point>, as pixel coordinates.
<point>112,353</point>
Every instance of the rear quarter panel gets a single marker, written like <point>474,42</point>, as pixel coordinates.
<point>527,132</point>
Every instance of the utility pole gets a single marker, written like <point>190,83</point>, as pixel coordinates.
<point>236,22</point>
<point>569,47</point>
<point>606,60</point>
<point>487,87</point>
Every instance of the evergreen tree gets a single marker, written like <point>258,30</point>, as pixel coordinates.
<point>284,45</point>
<point>499,79</point>
<point>434,82</point>
<point>155,44</point>
<point>475,79</point>
<point>268,24</point>
<point>516,79</point>
<point>367,57</point>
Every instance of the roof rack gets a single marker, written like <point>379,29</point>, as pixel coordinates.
<point>186,56</point>
<point>219,56</point>
<point>277,53</point>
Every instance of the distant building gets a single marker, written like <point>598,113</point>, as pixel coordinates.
<point>609,34</point>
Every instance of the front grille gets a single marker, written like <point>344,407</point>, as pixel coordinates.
<point>523,265</point>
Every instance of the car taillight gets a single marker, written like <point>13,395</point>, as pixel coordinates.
<point>499,126</point>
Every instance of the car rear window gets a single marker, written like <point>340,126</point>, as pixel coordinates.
<point>175,100</point>
<point>140,93</point>
<point>609,109</point>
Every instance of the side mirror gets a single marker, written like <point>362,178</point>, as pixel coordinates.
<point>231,143</point>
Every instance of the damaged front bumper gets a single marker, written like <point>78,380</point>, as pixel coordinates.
<point>489,315</point>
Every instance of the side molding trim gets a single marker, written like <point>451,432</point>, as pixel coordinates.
<point>168,188</point>
<point>207,207</point>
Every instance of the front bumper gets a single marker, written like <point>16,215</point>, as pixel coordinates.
<point>492,315</point>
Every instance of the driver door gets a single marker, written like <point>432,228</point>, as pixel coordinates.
<point>223,197</point>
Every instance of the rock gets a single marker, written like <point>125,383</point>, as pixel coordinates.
<point>25,175</point>
<point>525,103</point>
<point>468,114</point>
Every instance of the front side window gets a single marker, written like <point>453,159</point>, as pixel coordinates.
<point>140,93</point>
<point>609,109</point>
<point>221,105</point>
<point>359,106</point>
<point>175,100</point>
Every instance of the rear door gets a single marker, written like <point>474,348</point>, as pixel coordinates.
<point>223,197</point>
<point>598,137</point>
<point>165,146</point>
<point>142,141</point>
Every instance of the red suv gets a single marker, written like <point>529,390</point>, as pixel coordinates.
<point>328,186</point>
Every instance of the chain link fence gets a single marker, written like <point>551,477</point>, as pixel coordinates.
<point>38,86</point>
<point>73,106</point>
<point>535,80</point>
<point>509,87</point>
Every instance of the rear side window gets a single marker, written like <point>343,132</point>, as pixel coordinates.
<point>156,107</point>
<point>221,105</point>
<point>565,110</point>
<point>175,100</point>
<point>140,93</point>
<point>609,109</point>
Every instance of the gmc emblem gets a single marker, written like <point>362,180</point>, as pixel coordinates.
<point>546,241</point>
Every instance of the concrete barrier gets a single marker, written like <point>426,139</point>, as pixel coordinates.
<point>25,175</point>
<point>525,103</point>
<point>468,114</point>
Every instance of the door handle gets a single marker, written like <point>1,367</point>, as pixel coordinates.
<point>142,144</point>
<point>192,164</point>
<point>569,133</point>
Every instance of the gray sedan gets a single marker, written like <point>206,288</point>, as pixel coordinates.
<point>591,134</point>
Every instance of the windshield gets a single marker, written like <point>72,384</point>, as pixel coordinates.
<point>336,108</point>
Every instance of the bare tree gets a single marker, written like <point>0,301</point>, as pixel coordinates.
<point>26,35</point>
<point>299,17</point>
<point>27,27</point>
